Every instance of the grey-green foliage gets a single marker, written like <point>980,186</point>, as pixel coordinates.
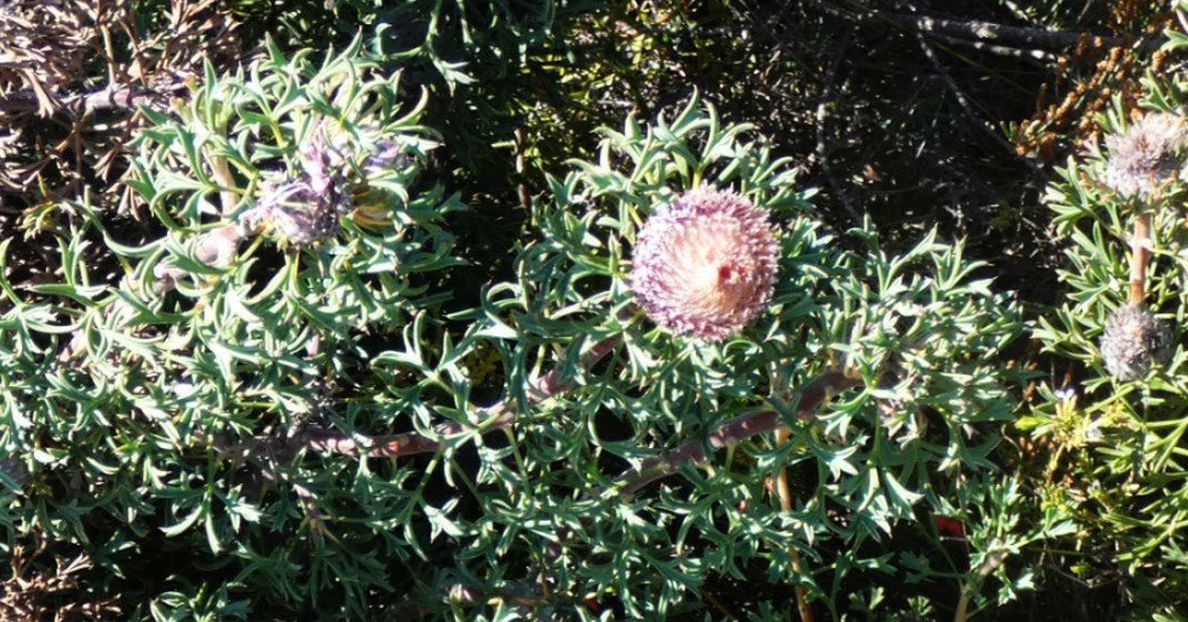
<point>922,333</point>
<point>1119,442</point>
<point>126,402</point>
<point>160,424</point>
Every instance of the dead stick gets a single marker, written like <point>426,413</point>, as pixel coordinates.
<point>976,30</point>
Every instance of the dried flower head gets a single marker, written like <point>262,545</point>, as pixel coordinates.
<point>1131,340</point>
<point>308,208</point>
<point>705,265</point>
<point>1146,156</point>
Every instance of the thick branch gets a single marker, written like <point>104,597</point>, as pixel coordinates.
<point>812,395</point>
<point>999,50</point>
<point>1021,37</point>
<point>109,97</point>
<point>1010,36</point>
<point>493,418</point>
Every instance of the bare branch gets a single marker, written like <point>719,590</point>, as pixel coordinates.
<point>493,418</point>
<point>1039,57</point>
<point>822,150</point>
<point>990,33</point>
<point>110,97</point>
<point>812,395</point>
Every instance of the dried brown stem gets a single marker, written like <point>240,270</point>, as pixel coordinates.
<point>1139,256</point>
<point>812,395</point>
<point>111,96</point>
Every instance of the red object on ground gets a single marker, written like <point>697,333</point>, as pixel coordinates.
<point>949,526</point>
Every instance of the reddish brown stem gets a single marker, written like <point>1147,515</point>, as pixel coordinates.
<point>495,417</point>
<point>969,589</point>
<point>1139,256</point>
<point>812,395</point>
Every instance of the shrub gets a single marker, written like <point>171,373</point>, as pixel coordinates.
<point>1113,425</point>
<point>246,383</point>
<point>158,397</point>
<point>909,342</point>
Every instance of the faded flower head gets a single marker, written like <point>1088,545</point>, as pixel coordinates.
<point>308,208</point>
<point>1131,340</point>
<point>705,265</point>
<point>1146,156</point>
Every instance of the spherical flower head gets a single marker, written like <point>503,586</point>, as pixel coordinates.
<point>1131,340</point>
<point>705,265</point>
<point>1146,156</point>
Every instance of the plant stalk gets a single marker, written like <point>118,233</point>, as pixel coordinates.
<point>812,395</point>
<point>968,589</point>
<point>802,605</point>
<point>1139,256</point>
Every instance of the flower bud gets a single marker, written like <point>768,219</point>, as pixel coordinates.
<point>1131,340</point>
<point>705,265</point>
<point>218,247</point>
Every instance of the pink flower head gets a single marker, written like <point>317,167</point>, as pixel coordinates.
<point>706,264</point>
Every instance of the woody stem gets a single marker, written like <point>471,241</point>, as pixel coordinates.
<point>1139,257</point>
<point>806,612</point>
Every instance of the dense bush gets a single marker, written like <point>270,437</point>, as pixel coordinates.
<point>1113,423</point>
<point>594,311</point>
